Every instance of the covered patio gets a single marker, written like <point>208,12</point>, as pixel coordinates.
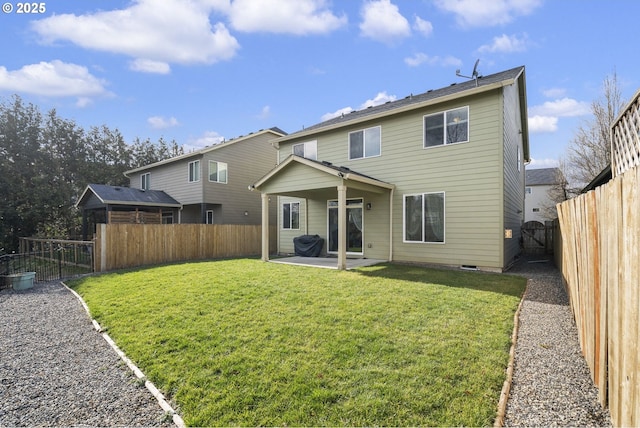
<point>326,262</point>
<point>327,187</point>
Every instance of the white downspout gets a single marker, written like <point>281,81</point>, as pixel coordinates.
<point>391,224</point>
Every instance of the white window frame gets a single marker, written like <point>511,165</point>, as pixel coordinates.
<point>226,172</point>
<point>364,143</point>
<point>145,181</point>
<point>193,175</point>
<point>290,225</point>
<point>309,149</point>
<point>445,128</point>
<point>422,217</point>
<point>209,218</point>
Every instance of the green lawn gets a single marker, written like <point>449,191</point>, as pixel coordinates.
<point>243,342</point>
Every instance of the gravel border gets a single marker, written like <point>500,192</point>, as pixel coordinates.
<point>551,384</point>
<point>57,370</point>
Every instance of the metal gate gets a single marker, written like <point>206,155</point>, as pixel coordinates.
<point>51,259</point>
<point>537,238</point>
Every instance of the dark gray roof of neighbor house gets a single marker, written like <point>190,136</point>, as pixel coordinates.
<point>541,176</point>
<point>454,88</point>
<point>120,195</point>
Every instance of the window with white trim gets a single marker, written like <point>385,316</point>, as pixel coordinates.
<point>145,181</point>
<point>291,215</point>
<point>210,217</point>
<point>217,172</point>
<point>365,143</point>
<point>448,127</point>
<point>194,171</point>
<point>307,150</point>
<point>424,217</point>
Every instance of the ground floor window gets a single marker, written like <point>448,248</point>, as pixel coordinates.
<point>424,217</point>
<point>167,217</point>
<point>291,215</point>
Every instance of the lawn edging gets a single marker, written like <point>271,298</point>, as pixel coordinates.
<point>164,404</point>
<point>506,387</point>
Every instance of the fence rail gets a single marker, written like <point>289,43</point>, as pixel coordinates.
<point>51,259</point>
<point>121,246</point>
<point>601,268</point>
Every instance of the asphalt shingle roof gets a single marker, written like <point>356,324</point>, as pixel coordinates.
<point>542,176</point>
<point>128,196</point>
<point>415,99</point>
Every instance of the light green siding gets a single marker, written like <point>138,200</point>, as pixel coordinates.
<point>470,174</point>
<point>514,173</point>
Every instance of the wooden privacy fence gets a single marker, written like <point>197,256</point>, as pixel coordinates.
<point>601,268</point>
<point>120,246</point>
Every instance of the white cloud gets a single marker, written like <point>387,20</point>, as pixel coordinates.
<point>380,98</point>
<point>505,44</point>
<point>422,26</point>
<point>383,22</point>
<point>159,122</point>
<point>554,92</point>
<point>54,79</point>
<point>422,58</point>
<point>300,17</point>
<point>565,107</point>
<point>209,138</point>
<point>487,13</point>
<point>327,116</point>
<point>149,66</point>
<point>264,113</point>
<point>539,124</point>
<point>152,32</point>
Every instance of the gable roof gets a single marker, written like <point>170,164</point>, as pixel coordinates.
<point>542,176</point>
<point>119,195</point>
<point>326,167</point>
<point>411,102</point>
<point>274,130</point>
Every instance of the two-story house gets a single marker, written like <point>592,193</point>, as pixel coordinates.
<point>212,184</point>
<point>538,204</point>
<point>434,178</point>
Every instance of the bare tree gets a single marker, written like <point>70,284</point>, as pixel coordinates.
<point>590,150</point>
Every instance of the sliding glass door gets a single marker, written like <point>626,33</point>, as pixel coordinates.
<point>355,226</point>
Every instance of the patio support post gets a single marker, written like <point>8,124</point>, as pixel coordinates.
<point>342,227</point>
<point>265,227</point>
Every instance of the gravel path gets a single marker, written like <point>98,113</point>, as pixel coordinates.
<point>551,383</point>
<point>56,370</point>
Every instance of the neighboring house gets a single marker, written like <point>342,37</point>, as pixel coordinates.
<point>212,184</point>
<point>101,203</point>
<point>432,178</point>
<point>538,204</point>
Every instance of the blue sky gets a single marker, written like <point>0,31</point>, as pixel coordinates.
<point>198,71</point>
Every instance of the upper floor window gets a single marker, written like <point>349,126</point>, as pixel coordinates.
<point>218,172</point>
<point>448,127</point>
<point>365,143</point>
<point>194,171</point>
<point>307,150</point>
<point>291,215</point>
<point>145,181</point>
